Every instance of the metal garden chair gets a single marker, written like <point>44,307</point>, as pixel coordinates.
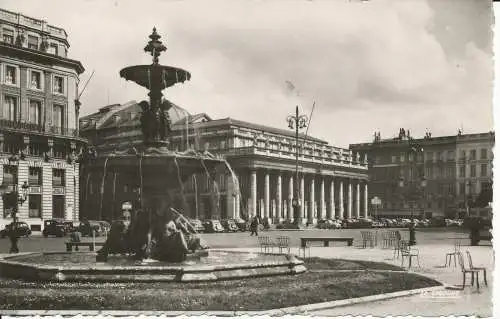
<point>456,250</point>
<point>474,272</point>
<point>283,243</point>
<point>471,266</point>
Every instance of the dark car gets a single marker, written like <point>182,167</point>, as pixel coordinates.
<point>105,226</point>
<point>230,225</point>
<point>197,224</point>
<point>241,223</point>
<point>22,228</point>
<point>88,227</point>
<point>54,227</point>
<point>213,226</point>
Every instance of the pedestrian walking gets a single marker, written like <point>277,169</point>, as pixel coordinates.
<point>254,226</point>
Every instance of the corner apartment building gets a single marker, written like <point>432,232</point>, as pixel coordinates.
<point>456,168</point>
<point>38,119</point>
<point>260,176</point>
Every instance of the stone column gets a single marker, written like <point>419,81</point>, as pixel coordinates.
<point>341,199</point>
<point>322,199</point>
<point>358,199</point>
<point>312,197</point>
<point>365,201</point>
<point>349,199</point>
<point>290,199</point>
<point>278,214</point>
<point>253,194</point>
<point>302,199</point>
<point>331,201</point>
<point>266,194</point>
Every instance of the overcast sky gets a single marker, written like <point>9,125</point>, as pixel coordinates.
<point>370,66</point>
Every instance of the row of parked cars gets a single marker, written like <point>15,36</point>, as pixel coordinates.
<point>218,226</point>
<point>387,222</point>
<point>61,227</point>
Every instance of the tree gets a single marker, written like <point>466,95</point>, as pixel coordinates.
<point>484,198</point>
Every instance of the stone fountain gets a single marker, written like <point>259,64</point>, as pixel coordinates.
<point>138,247</point>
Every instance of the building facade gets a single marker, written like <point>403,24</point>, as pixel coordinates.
<point>260,171</point>
<point>38,119</point>
<point>456,169</point>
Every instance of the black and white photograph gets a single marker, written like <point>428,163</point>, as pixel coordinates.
<point>247,157</point>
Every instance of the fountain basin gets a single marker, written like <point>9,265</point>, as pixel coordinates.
<point>217,265</point>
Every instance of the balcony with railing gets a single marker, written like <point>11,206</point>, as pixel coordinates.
<point>37,128</point>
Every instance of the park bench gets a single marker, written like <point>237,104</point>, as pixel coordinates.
<point>326,240</point>
<point>77,244</point>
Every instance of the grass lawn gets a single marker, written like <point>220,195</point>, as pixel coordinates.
<point>250,294</point>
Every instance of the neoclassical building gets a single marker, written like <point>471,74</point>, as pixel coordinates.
<point>38,119</point>
<point>457,169</point>
<point>259,175</point>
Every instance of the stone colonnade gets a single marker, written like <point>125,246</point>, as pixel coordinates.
<point>322,196</point>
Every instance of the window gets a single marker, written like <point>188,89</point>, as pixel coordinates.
<point>35,176</point>
<point>57,116</point>
<point>10,75</point>
<point>451,156</point>
<point>473,171</point>
<point>35,206</point>
<point>59,151</point>
<point>8,36</point>
<point>9,111</point>
<point>410,157</point>
<point>439,156</point>
<point>420,157</point>
<point>58,177</point>
<point>484,170</point>
<point>462,171</point>
<point>10,174</point>
<point>222,144</point>
<point>462,155</point>
<point>37,148</point>
<point>428,172</point>
<point>472,155</point>
<point>461,188</point>
<point>429,156</point>
<point>35,80</point>
<point>34,112</point>
<point>54,48</point>
<point>393,159</point>
<point>450,172</point>
<point>402,156</point>
<point>484,153</point>
<point>58,84</point>
<point>32,42</point>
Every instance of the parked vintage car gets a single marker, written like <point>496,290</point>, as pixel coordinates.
<point>327,224</point>
<point>105,226</point>
<point>241,223</point>
<point>55,227</point>
<point>22,228</point>
<point>197,224</point>
<point>230,225</point>
<point>86,227</point>
<point>213,226</point>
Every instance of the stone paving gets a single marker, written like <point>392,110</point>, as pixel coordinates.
<point>470,301</point>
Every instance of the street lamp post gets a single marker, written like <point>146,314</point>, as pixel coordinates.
<point>296,122</point>
<point>412,190</point>
<point>412,187</point>
<point>13,199</point>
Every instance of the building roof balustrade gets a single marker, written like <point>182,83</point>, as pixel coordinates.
<point>283,154</point>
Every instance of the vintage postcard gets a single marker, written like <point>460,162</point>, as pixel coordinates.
<point>247,157</point>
